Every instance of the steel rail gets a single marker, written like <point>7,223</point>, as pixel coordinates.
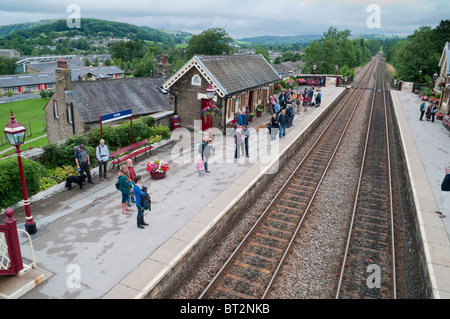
<point>338,291</point>
<point>393,275</point>
<point>314,194</point>
<point>211,283</point>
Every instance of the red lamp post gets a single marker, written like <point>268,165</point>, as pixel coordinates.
<point>314,78</point>
<point>15,133</point>
<point>210,93</point>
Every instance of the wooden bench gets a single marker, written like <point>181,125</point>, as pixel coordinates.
<point>117,161</point>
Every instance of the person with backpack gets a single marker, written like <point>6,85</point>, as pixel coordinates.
<point>318,98</point>
<point>124,185</point>
<point>83,162</point>
<point>140,198</point>
<point>102,154</point>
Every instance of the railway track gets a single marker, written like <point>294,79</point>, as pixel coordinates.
<point>254,265</point>
<point>368,266</point>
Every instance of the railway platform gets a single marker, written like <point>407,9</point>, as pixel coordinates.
<point>427,152</point>
<point>93,251</point>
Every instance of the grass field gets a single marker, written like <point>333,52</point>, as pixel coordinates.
<point>27,112</point>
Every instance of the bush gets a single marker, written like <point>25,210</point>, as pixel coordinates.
<point>10,187</point>
<point>164,131</point>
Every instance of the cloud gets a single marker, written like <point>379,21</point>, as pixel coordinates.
<point>242,18</point>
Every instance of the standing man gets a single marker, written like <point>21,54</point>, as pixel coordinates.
<point>83,162</point>
<point>102,154</point>
<point>422,110</point>
<point>282,122</point>
<point>244,117</point>
<point>311,94</point>
<point>444,208</point>
<point>246,134</point>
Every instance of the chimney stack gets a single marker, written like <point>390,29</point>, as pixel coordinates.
<point>163,68</point>
<point>63,77</point>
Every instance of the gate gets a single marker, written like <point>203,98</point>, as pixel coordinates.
<point>10,254</point>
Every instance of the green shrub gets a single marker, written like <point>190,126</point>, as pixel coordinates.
<point>10,187</point>
<point>164,131</point>
<point>149,120</point>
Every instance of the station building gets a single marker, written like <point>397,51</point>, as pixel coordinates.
<point>241,82</point>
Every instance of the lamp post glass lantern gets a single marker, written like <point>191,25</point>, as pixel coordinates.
<point>314,67</point>
<point>15,133</point>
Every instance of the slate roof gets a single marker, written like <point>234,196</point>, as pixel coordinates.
<point>26,79</point>
<point>144,96</point>
<point>231,74</point>
<point>101,72</point>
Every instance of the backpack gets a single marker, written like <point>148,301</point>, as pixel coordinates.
<point>76,152</point>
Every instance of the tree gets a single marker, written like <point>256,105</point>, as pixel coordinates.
<point>263,52</point>
<point>87,62</point>
<point>210,42</point>
<point>7,65</point>
<point>334,48</point>
<point>146,67</point>
<point>10,94</point>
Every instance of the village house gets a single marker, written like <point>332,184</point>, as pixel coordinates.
<point>241,82</point>
<point>41,76</point>
<point>76,107</point>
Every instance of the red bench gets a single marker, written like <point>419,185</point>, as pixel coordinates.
<point>117,161</point>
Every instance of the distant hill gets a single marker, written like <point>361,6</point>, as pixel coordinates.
<point>90,28</point>
<point>7,29</point>
<point>93,37</point>
<point>269,39</point>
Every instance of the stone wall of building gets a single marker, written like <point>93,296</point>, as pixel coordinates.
<point>186,99</point>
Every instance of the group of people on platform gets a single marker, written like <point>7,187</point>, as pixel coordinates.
<point>429,111</point>
<point>128,183</point>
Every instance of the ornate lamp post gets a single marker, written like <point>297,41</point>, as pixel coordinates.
<point>210,93</point>
<point>420,73</point>
<point>15,133</point>
<point>314,78</point>
<point>291,72</point>
<point>337,67</point>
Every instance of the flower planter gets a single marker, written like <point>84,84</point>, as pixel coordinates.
<point>258,113</point>
<point>158,175</point>
<point>250,119</point>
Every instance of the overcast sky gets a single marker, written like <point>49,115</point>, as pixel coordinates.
<point>244,18</point>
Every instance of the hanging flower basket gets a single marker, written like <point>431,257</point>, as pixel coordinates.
<point>210,111</point>
<point>157,169</point>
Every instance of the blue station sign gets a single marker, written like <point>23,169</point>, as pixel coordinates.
<point>116,116</point>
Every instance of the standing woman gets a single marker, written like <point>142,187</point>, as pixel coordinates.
<point>124,187</point>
